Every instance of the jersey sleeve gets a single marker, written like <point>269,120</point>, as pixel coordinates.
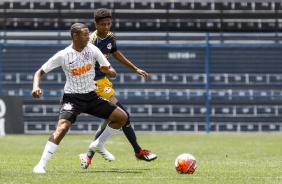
<point>100,58</point>
<point>54,62</point>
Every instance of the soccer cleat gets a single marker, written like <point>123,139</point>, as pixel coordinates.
<point>100,149</point>
<point>39,169</point>
<point>146,155</point>
<point>85,161</point>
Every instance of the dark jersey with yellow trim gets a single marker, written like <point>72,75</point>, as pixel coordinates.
<point>106,45</point>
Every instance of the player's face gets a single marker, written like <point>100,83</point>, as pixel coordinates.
<point>103,26</point>
<point>83,37</point>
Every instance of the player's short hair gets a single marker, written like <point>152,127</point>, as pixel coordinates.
<point>102,13</point>
<point>76,28</point>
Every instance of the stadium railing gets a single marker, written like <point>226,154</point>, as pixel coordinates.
<point>243,80</point>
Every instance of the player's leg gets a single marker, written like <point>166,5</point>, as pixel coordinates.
<point>104,90</point>
<point>102,127</point>
<point>107,92</point>
<point>129,133</point>
<point>100,130</point>
<point>68,114</point>
<point>85,158</point>
<point>104,109</point>
<point>140,154</point>
<point>52,143</point>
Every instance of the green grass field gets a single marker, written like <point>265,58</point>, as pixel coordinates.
<point>222,159</point>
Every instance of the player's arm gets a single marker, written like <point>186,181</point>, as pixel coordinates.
<point>52,63</point>
<point>109,70</point>
<point>105,65</point>
<point>123,60</point>
<point>36,91</point>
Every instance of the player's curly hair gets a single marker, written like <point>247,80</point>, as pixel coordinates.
<point>102,13</point>
<point>76,28</point>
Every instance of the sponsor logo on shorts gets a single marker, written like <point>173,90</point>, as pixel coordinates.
<point>67,106</point>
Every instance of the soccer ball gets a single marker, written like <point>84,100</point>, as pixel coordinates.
<point>185,164</point>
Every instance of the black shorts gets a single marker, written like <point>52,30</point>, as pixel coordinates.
<point>90,103</point>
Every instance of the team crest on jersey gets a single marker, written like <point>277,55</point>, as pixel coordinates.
<point>86,55</point>
<point>67,106</point>
<point>107,89</point>
<point>109,46</point>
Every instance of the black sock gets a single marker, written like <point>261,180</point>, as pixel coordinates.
<point>129,132</point>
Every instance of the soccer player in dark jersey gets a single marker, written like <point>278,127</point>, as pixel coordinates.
<point>105,40</point>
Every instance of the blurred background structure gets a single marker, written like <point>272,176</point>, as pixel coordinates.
<point>145,15</point>
<point>213,65</point>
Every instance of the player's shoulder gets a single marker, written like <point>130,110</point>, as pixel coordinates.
<point>93,36</point>
<point>64,51</point>
<point>92,47</point>
<point>111,34</point>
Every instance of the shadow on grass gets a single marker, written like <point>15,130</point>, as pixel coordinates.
<point>117,170</point>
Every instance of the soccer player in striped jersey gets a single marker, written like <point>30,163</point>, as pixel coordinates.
<point>105,40</point>
<point>78,63</point>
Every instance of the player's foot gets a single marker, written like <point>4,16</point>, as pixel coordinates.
<point>85,161</point>
<point>39,169</point>
<point>100,149</point>
<point>146,155</point>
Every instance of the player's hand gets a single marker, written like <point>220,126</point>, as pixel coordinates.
<point>143,73</point>
<point>36,92</point>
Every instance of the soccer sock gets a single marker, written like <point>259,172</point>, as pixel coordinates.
<point>91,153</point>
<point>98,134</point>
<point>47,153</point>
<point>106,134</point>
<point>129,132</point>
<point>100,130</point>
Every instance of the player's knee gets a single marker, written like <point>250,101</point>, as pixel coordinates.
<point>123,117</point>
<point>127,113</point>
<point>63,126</point>
<point>127,121</point>
<point>118,116</point>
